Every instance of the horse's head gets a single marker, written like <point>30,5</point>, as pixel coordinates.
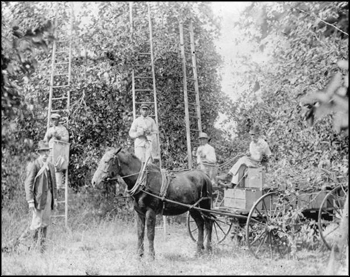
<point>107,168</point>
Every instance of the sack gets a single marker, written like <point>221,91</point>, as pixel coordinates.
<point>59,164</point>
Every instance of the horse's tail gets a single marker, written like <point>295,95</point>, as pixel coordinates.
<point>207,191</point>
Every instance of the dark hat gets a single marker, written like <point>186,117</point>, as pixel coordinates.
<point>55,115</point>
<point>203,135</point>
<point>255,130</point>
<point>144,106</point>
<point>43,145</point>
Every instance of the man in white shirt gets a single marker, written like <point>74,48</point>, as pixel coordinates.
<point>206,158</point>
<point>144,131</point>
<point>259,152</point>
<point>56,132</point>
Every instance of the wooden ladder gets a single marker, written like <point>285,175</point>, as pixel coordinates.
<point>59,95</point>
<point>143,75</point>
<point>191,90</point>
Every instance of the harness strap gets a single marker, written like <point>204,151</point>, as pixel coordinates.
<point>141,180</point>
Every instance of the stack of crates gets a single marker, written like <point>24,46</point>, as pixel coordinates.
<point>243,198</point>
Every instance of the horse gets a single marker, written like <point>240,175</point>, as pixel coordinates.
<point>155,193</point>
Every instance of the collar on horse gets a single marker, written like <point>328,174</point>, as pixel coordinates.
<point>140,182</point>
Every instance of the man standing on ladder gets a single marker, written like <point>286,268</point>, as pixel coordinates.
<point>56,132</point>
<point>144,130</point>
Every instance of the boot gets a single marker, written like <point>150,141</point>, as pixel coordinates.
<point>225,177</point>
<point>35,239</point>
<point>43,234</point>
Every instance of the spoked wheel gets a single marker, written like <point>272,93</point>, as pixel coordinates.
<point>330,214</point>
<point>221,228</point>
<point>269,226</point>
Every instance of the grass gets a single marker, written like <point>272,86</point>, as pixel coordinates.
<point>100,247</point>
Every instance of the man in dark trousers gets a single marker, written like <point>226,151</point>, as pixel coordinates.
<point>41,193</point>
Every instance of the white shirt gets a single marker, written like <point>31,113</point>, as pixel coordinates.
<point>258,149</point>
<point>138,129</point>
<point>206,154</point>
<point>61,131</point>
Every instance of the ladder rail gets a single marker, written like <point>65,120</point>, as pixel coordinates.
<point>154,82</point>
<point>187,116</point>
<point>195,77</point>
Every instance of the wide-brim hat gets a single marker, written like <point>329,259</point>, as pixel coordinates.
<point>43,146</point>
<point>203,135</point>
<point>255,130</point>
<point>144,106</point>
<point>55,116</point>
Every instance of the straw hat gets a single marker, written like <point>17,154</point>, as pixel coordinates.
<point>144,106</point>
<point>203,135</point>
<point>55,116</point>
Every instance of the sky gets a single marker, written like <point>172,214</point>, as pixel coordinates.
<point>229,11</point>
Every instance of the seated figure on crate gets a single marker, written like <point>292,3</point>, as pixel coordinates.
<point>206,158</point>
<point>56,132</point>
<point>258,155</point>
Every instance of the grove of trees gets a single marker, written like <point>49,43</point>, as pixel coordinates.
<point>304,42</point>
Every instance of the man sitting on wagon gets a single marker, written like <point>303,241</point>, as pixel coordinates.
<point>258,155</point>
<point>206,158</point>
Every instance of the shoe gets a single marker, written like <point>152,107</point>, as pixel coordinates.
<point>225,177</point>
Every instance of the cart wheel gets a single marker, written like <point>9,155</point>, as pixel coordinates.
<point>269,225</point>
<point>330,215</point>
<point>221,228</point>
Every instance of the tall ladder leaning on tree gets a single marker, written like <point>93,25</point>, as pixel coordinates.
<point>191,89</point>
<point>59,95</point>
<point>143,75</point>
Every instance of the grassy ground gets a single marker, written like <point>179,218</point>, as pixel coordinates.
<point>93,247</point>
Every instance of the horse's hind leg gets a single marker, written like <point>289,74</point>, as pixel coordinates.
<point>208,223</point>
<point>140,233</point>
<point>151,224</point>
<point>200,225</point>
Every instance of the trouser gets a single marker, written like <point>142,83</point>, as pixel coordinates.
<point>144,152</point>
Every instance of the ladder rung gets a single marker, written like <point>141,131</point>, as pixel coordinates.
<point>58,98</point>
<point>63,86</point>
<point>53,111</point>
<point>144,102</point>
<point>62,63</point>
<point>144,53</point>
<point>143,65</point>
<point>58,215</point>
<point>62,201</point>
<point>59,52</point>
<point>139,89</point>
<point>137,77</point>
<point>64,74</point>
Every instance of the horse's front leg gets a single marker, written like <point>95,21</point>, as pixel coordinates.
<point>151,224</point>
<point>140,220</point>
<point>200,225</point>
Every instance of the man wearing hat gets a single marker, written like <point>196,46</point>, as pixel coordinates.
<point>143,130</point>
<point>41,193</point>
<point>206,158</point>
<point>56,132</point>
<point>259,152</point>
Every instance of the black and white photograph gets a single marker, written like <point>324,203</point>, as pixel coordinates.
<point>174,138</point>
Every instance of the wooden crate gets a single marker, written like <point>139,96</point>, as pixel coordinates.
<point>312,200</point>
<point>242,199</point>
<point>255,178</point>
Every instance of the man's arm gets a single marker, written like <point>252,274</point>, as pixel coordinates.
<point>29,182</point>
<point>48,135</point>
<point>64,136</point>
<point>133,133</point>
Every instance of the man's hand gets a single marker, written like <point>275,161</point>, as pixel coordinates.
<point>31,207</point>
<point>247,153</point>
<point>55,204</point>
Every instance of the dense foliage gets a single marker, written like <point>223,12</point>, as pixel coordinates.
<point>303,43</point>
